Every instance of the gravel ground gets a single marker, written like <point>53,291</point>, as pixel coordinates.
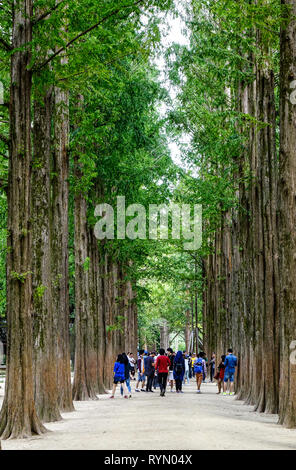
<point>176,422</point>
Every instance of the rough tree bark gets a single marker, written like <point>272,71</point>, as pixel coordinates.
<point>18,416</point>
<point>59,246</point>
<point>287,215</point>
<point>85,376</point>
<point>46,393</point>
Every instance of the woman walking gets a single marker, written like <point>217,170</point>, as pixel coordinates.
<point>127,378</point>
<point>179,371</point>
<point>119,376</point>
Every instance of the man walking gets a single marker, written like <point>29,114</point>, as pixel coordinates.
<point>141,370</point>
<point>162,366</point>
<point>149,371</point>
<point>230,365</point>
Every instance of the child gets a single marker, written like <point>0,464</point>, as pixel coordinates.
<point>119,375</point>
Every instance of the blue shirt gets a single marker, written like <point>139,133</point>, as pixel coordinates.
<point>230,363</point>
<point>119,372</point>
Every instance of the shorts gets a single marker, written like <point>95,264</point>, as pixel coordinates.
<point>118,380</point>
<point>229,375</point>
<point>171,375</point>
<point>141,377</point>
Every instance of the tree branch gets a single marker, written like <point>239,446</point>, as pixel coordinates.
<point>47,13</point>
<point>113,13</point>
<point>87,68</point>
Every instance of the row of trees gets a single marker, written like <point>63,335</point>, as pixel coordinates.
<point>78,127</point>
<point>238,106</point>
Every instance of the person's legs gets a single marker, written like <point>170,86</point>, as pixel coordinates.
<point>161,379</point>
<point>231,384</point>
<point>128,384</point>
<point>199,378</point>
<point>138,382</point>
<point>179,385</point>
<point>113,390</point>
<point>225,385</point>
<point>143,382</point>
<point>151,378</point>
<point>219,385</point>
<point>125,390</point>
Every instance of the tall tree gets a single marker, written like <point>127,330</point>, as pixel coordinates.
<point>287,211</point>
<point>18,416</point>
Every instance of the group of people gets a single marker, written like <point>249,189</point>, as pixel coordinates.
<point>167,368</point>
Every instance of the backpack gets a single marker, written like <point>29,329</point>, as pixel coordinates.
<point>179,368</point>
<point>198,366</point>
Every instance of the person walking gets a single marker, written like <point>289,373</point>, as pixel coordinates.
<point>193,359</point>
<point>230,365</point>
<point>141,372</point>
<point>119,376</point>
<point>127,369</point>
<point>186,375</point>
<point>179,371</point>
<point>162,365</point>
<point>200,370</point>
<point>132,362</point>
<point>171,357</point>
<point>190,365</point>
<point>212,365</point>
<point>205,373</point>
<point>149,371</point>
<point>220,374</point>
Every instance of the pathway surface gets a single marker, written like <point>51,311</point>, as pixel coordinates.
<point>176,422</point>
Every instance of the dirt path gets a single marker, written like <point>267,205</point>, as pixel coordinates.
<point>177,422</point>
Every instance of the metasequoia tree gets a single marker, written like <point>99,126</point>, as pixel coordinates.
<point>32,45</point>
<point>44,327</point>
<point>286,216</point>
<point>18,416</point>
<point>236,150</point>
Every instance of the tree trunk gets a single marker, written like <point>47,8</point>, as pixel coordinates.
<point>18,416</point>
<point>164,335</point>
<point>287,215</point>
<point>59,247</point>
<point>46,393</point>
<point>85,377</point>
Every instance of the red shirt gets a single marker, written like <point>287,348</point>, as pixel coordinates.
<point>162,364</point>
